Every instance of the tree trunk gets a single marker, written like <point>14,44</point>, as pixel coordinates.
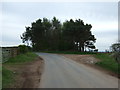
<point>83,48</point>
<point>80,48</point>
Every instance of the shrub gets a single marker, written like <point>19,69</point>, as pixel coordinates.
<point>23,48</point>
<point>116,51</point>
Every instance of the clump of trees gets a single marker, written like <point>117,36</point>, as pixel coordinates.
<point>71,35</point>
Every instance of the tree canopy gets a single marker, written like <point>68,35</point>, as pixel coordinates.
<point>71,35</point>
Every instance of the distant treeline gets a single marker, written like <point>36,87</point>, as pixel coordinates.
<point>71,35</point>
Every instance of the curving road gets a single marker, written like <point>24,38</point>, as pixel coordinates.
<point>61,72</point>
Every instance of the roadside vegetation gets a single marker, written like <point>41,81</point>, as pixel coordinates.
<point>27,57</point>
<point>108,62</point>
<point>8,76</point>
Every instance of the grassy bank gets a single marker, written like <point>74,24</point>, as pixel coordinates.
<point>68,52</point>
<point>8,76</point>
<point>22,58</point>
<point>107,62</point>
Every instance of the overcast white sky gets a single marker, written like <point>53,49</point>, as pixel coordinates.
<point>102,15</point>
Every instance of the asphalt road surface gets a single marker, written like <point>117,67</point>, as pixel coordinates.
<point>61,72</point>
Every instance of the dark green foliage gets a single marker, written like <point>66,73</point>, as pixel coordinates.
<point>52,35</point>
<point>23,48</point>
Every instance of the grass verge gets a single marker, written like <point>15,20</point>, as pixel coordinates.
<point>108,62</point>
<point>8,76</point>
<point>22,58</point>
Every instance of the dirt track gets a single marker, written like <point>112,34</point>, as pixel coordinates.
<point>31,74</point>
<point>85,59</point>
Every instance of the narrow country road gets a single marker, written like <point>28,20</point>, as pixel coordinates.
<point>61,72</point>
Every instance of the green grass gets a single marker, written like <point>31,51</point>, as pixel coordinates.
<point>107,62</point>
<point>7,77</point>
<point>69,52</point>
<point>0,76</point>
<point>22,58</point>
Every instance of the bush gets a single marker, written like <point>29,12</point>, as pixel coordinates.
<point>23,49</point>
<point>116,51</point>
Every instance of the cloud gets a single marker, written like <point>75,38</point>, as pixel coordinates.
<point>61,1</point>
<point>106,25</point>
<point>103,17</point>
<point>105,38</point>
<point>12,28</point>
